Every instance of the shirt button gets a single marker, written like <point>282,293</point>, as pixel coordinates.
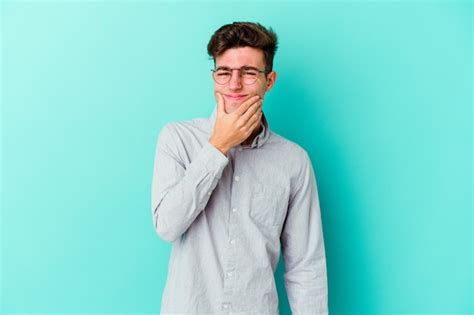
<point>237,178</point>
<point>209,193</point>
<point>240,149</point>
<point>225,305</point>
<point>229,274</point>
<point>234,209</point>
<point>232,242</point>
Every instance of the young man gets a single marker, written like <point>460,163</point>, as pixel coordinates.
<point>228,192</point>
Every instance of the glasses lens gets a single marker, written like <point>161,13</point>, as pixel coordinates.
<point>249,76</point>
<point>222,76</point>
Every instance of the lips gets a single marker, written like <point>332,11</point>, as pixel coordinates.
<point>236,97</point>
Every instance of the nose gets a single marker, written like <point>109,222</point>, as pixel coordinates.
<point>235,80</point>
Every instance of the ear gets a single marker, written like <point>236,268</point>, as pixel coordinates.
<point>271,78</point>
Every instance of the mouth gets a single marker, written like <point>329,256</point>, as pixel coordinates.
<point>235,97</point>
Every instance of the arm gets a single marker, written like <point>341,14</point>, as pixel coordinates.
<point>180,192</point>
<point>303,248</point>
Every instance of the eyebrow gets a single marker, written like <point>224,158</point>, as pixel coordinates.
<point>228,68</point>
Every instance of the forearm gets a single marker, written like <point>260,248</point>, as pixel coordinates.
<point>303,247</point>
<point>177,203</point>
<point>307,289</point>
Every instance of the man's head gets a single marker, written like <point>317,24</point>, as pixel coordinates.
<point>237,45</point>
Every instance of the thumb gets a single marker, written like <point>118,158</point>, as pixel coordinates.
<point>220,103</point>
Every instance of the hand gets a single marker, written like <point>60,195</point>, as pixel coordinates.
<point>232,129</point>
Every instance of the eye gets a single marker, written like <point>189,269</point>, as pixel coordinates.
<point>223,73</point>
<point>250,72</point>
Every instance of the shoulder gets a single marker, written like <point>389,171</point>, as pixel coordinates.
<point>293,157</point>
<point>290,149</point>
<point>179,128</point>
<point>184,124</point>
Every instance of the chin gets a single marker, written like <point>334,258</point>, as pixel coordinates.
<point>230,109</point>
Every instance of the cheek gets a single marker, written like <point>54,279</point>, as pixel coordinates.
<point>217,89</point>
<point>262,88</point>
<point>261,92</point>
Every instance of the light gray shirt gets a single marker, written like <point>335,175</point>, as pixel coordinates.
<point>227,218</point>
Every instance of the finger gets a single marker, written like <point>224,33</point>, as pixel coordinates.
<point>246,104</point>
<point>251,111</point>
<point>249,124</point>
<point>220,103</point>
<point>254,122</point>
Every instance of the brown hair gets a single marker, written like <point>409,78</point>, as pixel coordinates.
<point>241,34</point>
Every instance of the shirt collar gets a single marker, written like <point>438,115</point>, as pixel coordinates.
<point>258,141</point>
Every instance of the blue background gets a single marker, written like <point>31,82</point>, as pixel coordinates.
<point>378,92</point>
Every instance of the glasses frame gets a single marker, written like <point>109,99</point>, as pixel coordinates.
<point>240,73</point>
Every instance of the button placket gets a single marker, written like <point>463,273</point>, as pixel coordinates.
<point>230,266</point>
<point>229,270</point>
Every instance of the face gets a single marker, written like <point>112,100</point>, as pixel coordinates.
<point>235,92</point>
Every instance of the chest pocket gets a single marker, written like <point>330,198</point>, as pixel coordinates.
<point>268,204</point>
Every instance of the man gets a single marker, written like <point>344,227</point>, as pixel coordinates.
<point>228,192</point>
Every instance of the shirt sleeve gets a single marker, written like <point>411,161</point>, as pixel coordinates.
<point>303,248</point>
<point>180,192</point>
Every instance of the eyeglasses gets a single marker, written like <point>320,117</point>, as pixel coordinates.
<point>249,75</point>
